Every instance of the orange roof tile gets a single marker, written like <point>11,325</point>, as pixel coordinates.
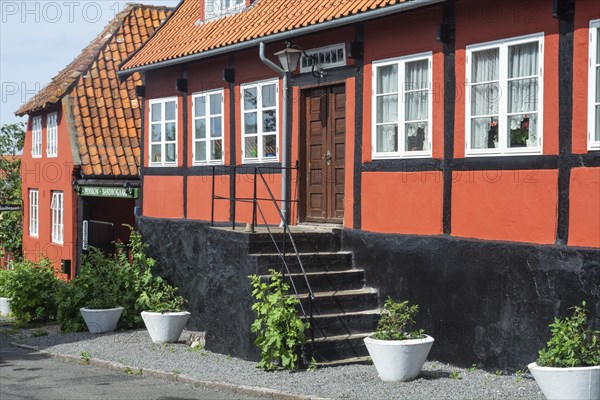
<point>184,33</point>
<point>97,95</point>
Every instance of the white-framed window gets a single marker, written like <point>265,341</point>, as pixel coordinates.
<point>216,8</point>
<point>208,127</point>
<point>163,132</point>
<point>594,87</point>
<point>36,137</point>
<point>56,208</point>
<point>52,135</point>
<point>34,212</point>
<point>402,107</point>
<point>505,97</point>
<point>260,123</point>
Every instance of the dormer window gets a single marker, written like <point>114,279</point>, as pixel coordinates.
<point>218,8</point>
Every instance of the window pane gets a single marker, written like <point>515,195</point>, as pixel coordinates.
<point>417,107</point>
<point>215,103</point>
<point>598,84</point>
<point>200,106</point>
<point>597,136</point>
<point>269,121</point>
<point>156,136</point>
<point>523,60</point>
<point>216,150</point>
<point>484,133</point>
<point>485,66</point>
<point>170,150</point>
<point>268,96</point>
<point>597,46</point>
<point>170,111</point>
<point>170,131</point>
<point>416,75</point>
<point>269,146</point>
<point>387,108</point>
<point>200,151</point>
<point>251,147</point>
<point>215,127</point>
<point>155,153</point>
<point>387,79</point>
<point>250,99</point>
<point>522,95</point>
<point>522,130</point>
<point>200,128</point>
<point>485,99</point>
<point>250,123</point>
<point>416,138</point>
<point>387,138</point>
<point>155,113</point>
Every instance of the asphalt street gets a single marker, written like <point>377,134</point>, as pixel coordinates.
<point>27,375</point>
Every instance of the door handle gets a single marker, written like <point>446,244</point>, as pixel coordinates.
<point>327,157</point>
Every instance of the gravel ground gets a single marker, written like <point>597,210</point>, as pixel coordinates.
<point>135,349</point>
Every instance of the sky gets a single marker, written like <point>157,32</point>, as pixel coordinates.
<point>40,38</point>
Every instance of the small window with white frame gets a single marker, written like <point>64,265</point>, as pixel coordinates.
<point>52,135</point>
<point>36,137</point>
<point>217,8</point>
<point>402,109</point>
<point>594,87</point>
<point>208,127</point>
<point>57,210</point>
<point>34,212</point>
<point>260,133</point>
<point>505,97</point>
<point>163,132</point>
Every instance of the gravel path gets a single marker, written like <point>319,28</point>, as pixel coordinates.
<point>135,350</point>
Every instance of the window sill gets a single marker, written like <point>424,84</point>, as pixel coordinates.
<point>152,165</point>
<point>401,157</point>
<point>506,154</point>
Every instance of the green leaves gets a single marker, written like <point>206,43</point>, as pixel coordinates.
<point>279,330</point>
<point>394,321</point>
<point>572,343</point>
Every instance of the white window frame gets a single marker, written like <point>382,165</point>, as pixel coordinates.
<point>401,63</point>
<point>306,61</point>
<point>34,207</point>
<point>52,135</point>
<point>163,142</point>
<point>222,7</point>
<point>594,86</point>
<point>207,116</point>
<point>36,137</point>
<point>503,148</point>
<point>259,112</point>
<point>58,214</point>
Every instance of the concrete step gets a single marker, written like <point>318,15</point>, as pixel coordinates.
<point>327,325</point>
<point>341,301</point>
<point>312,262</point>
<point>335,349</point>
<point>310,242</point>
<point>325,281</point>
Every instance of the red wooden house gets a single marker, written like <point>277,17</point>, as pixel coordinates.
<point>80,165</point>
<point>440,151</point>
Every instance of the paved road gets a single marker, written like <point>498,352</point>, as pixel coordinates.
<point>27,375</point>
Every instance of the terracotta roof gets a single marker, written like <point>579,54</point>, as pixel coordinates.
<point>106,112</point>
<point>185,34</point>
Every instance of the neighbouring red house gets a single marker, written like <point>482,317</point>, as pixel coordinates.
<point>80,165</point>
<point>445,152</point>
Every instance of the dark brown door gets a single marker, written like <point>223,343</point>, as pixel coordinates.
<point>325,133</point>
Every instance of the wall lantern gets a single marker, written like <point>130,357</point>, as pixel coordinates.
<point>288,58</point>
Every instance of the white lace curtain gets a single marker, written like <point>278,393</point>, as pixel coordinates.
<point>387,109</point>
<point>484,96</point>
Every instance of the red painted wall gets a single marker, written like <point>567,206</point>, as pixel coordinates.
<point>199,189</point>
<point>47,175</point>
<point>163,196</point>
<point>584,207</point>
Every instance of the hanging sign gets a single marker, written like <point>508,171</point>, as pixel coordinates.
<point>104,191</point>
<point>10,207</point>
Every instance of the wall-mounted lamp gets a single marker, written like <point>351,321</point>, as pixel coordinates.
<point>76,187</point>
<point>140,91</point>
<point>181,85</point>
<point>290,56</point>
<point>128,188</point>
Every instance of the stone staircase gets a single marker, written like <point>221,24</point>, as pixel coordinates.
<point>344,310</point>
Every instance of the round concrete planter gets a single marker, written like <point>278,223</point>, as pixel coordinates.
<point>101,320</point>
<point>399,360</point>
<point>575,383</point>
<point>165,327</point>
<point>4,306</point>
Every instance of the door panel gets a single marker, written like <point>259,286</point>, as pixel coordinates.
<point>325,133</point>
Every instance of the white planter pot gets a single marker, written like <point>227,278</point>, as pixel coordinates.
<point>165,327</point>
<point>101,320</point>
<point>399,360</point>
<point>4,306</point>
<point>575,383</point>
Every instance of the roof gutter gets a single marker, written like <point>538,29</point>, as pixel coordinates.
<point>364,16</point>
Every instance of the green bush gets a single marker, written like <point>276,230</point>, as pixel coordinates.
<point>395,320</point>
<point>4,278</point>
<point>33,290</point>
<point>572,343</point>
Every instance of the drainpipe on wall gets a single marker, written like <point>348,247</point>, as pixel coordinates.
<point>285,162</point>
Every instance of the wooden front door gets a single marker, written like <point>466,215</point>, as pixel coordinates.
<point>324,154</point>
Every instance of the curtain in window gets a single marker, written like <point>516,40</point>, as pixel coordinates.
<point>387,109</point>
<point>523,94</point>
<point>597,88</point>
<point>484,98</point>
<point>416,104</point>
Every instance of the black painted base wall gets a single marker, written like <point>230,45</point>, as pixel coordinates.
<point>483,302</point>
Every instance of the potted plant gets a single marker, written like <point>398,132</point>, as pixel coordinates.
<point>569,368</point>
<point>397,352</point>
<point>4,292</point>
<point>164,318</point>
